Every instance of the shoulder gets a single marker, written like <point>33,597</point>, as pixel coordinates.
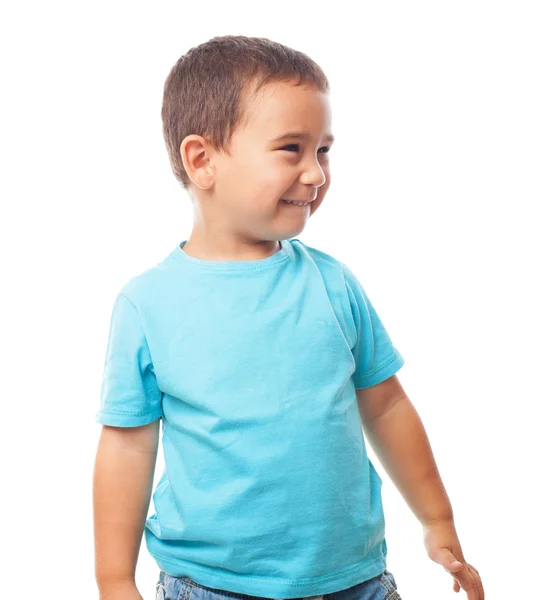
<point>145,287</point>
<point>323,260</point>
<point>334,281</point>
<point>333,270</point>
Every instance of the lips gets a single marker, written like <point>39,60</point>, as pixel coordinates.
<point>289,201</point>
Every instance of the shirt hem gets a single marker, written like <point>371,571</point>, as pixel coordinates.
<point>118,419</point>
<point>379,374</point>
<point>270,587</point>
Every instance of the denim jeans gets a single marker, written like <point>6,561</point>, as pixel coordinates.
<point>382,587</point>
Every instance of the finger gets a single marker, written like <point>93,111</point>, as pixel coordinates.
<point>470,582</point>
<point>471,566</point>
<point>477,581</point>
<point>479,587</point>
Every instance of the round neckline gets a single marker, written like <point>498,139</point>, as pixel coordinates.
<point>231,265</point>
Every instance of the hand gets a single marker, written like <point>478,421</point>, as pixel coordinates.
<point>443,547</point>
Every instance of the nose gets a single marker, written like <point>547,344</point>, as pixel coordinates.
<point>314,175</point>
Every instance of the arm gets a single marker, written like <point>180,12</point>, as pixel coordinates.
<point>395,431</point>
<point>396,434</point>
<point>122,485</point>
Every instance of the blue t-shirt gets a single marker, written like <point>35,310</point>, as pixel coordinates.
<point>252,367</point>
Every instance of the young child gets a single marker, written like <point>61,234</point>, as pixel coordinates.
<point>264,358</point>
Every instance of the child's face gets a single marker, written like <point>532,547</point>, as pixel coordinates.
<point>248,185</point>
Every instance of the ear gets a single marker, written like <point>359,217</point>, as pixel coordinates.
<point>195,156</point>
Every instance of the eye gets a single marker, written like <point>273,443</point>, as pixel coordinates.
<point>325,148</point>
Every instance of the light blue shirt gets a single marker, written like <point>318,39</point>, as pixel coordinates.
<point>252,367</point>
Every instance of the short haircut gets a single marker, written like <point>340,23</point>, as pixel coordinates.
<point>209,89</point>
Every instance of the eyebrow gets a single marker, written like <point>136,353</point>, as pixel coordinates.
<point>299,136</point>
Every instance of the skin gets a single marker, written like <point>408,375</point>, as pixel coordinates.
<point>238,214</point>
<point>396,433</point>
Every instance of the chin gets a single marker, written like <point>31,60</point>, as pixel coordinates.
<point>294,232</point>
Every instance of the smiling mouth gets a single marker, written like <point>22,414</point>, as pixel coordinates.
<point>300,204</point>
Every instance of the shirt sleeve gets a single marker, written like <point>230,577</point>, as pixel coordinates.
<point>130,395</point>
<point>374,353</point>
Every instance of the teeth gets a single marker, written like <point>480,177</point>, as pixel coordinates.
<point>296,203</point>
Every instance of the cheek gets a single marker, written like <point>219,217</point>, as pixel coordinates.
<point>261,196</point>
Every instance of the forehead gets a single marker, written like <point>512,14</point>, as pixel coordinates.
<point>280,108</point>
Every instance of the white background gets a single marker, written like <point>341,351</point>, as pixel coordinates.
<point>444,202</point>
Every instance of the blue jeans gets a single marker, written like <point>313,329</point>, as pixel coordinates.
<point>382,587</point>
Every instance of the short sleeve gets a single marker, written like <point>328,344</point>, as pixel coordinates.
<point>374,353</point>
<point>130,395</point>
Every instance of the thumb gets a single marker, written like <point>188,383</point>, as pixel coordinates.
<point>447,560</point>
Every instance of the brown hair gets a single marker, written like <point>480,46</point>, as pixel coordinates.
<point>208,90</point>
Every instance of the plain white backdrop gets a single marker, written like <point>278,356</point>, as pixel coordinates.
<point>444,201</point>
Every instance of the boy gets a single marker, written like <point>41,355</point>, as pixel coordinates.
<point>264,358</point>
